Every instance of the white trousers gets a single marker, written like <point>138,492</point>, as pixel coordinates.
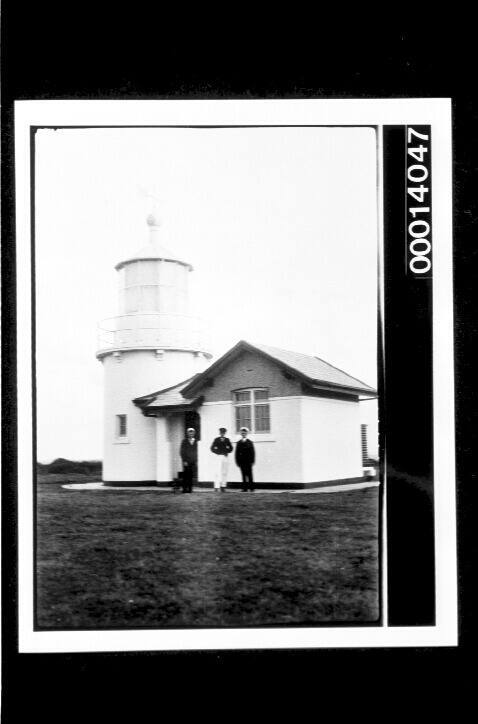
<point>222,466</point>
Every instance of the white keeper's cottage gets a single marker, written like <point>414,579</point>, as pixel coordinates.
<point>303,413</point>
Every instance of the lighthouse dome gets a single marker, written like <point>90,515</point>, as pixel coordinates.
<point>154,250</point>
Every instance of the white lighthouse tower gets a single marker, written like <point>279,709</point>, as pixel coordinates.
<point>153,343</point>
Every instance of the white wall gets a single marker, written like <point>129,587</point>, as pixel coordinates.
<point>163,450</point>
<point>331,442</point>
<point>278,454</point>
<point>134,374</point>
<point>176,435</point>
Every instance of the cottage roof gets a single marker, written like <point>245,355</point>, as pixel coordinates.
<point>169,397</point>
<point>309,369</point>
<point>314,368</point>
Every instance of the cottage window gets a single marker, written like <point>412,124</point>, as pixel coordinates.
<point>252,409</point>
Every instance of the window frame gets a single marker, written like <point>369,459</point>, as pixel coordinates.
<point>170,295</point>
<point>251,405</point>
<point>119,419</point>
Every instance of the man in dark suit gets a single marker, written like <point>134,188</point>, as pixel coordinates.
<point>189,456</point>
<point>245,459</point>
<point>221,446</point>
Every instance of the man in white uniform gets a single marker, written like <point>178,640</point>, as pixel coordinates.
<point>221,447</point>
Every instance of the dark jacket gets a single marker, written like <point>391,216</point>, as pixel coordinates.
<point>188,452</point>
<point>245,452</point>
<point>221,447</point>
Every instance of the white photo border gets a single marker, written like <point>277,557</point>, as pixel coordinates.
<point>369,112</point>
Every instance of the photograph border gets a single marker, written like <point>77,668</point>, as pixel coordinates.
<point>381,595</point>
<point>431,111</point>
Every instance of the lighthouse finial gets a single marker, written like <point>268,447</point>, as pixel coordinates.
<point>153,220</point>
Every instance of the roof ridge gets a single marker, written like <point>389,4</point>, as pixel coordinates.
<point>282,349</point>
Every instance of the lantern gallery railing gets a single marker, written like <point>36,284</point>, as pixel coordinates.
<point>150,329</point>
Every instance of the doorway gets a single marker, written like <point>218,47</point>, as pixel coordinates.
<point>192,418</point>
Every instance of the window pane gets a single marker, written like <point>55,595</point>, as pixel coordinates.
<point>168,272</point>
<point>261,394</point>
<point>261,414</point>
<point>149,299</point>
<point>182,302</point>
<point>243,417</point>
<point>131,299</point>
<point>182,278</point>
<point>242,396</point>
<point>131,274</point>
<point>121,425</point>
<point>167,299</point>
<point>148,272</point>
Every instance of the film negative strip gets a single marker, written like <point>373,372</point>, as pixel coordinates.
<point>408,391</point>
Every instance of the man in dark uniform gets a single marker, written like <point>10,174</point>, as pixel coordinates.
<point>189,456</point>
<point>245,459</point>
<point>221,446</point>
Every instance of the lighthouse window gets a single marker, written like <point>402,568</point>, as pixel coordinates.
<point>131,274</point>
<point>121,426</point>
<point>150,298</point>
<point>148,272</point>
<point>131,299</point>
<point>252,410</point>
<point>168,273</point>
<point>168,299</point>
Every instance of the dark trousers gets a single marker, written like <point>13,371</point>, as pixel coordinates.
<point>189,475</point>
<point>247,477</point>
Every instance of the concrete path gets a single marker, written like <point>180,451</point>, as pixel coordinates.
<point>302,491</point>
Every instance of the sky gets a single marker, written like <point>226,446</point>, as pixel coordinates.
<point>280,225</point>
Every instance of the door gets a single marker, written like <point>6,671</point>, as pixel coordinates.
<point>192,418</point>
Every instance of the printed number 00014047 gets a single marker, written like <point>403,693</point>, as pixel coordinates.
<point>418,228</point>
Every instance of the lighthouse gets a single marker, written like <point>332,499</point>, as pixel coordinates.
<point>154,342</point>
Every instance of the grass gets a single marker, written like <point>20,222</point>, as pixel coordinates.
<point>153,559</point>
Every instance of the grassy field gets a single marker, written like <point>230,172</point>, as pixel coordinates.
<point>154,559</point>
